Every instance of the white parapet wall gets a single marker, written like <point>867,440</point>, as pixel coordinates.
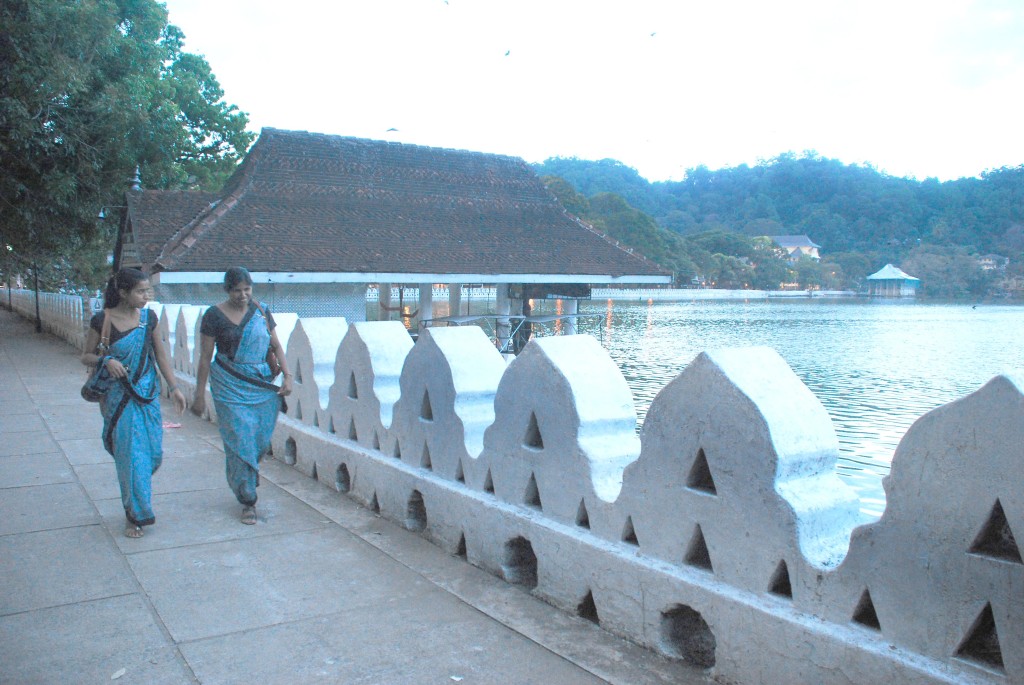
<point>721,535</point>
<point>312,348</point>
<point>61,315</point>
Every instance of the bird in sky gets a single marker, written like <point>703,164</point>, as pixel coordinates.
<point>391,129</point>
<point>507,52</point>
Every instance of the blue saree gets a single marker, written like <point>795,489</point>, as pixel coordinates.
<point>132,427</point>
<point>246,411</point>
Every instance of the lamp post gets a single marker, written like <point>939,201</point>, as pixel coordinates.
<point>7,271</point>
<point>35,278</point>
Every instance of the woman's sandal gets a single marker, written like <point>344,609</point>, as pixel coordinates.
<point>132,531</point>
<point>249,516</point>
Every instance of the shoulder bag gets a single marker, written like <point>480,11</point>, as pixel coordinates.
<point>100,380</point>
<point>272,361</point>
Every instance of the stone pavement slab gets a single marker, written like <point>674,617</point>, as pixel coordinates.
<point>23,470</point>
<point>419,641</point>
<point>89,642</point>
<point>176,474</point>
<point>85,450</point>
<point>15,400</point>
<point>246,584</point>
<point>21,423</point>
<point>29,442</point>
<point>572,638</point>
<point>66,505</point>
<point>64,425</point>
<point>54,567</point>
<point>209,516</point>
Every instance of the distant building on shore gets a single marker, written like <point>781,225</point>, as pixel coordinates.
<point>891,281</point>
<point>797,246</point>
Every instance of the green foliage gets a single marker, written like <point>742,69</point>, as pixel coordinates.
<point>604,176</point>
<point>862,218</point>
<point>88,90</point>
<point>728,260</point>
<point>947,272</point>
<point>613,216</point>
<point>841,207</point>
<point>723,242</point>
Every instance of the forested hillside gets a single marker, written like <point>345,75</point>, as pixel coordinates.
<point>862,218</point>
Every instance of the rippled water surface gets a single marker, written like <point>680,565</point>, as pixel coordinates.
<point>876,366</point>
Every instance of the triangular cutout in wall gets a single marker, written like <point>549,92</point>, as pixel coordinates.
<point>697,551</point>
<point>865,613</point>
<point>582,516</point>
<point>426,411</point>
<point>996,539</point>
<point>588,609</point>
<point>628,532</point>
<point>700,477</point>
<point>780,584</point>
<point>533,438</point>
<point>982,641</point>
<point>532,495</point>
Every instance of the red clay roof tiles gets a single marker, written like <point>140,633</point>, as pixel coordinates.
<point>305,202</point>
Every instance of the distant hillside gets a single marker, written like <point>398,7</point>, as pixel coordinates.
<point>861,217</point>
<point>841,207</point>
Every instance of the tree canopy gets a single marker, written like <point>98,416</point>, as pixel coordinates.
<point>861,217</point>
<point>90,89</point>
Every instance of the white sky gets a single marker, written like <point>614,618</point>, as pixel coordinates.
<point>922,88</point>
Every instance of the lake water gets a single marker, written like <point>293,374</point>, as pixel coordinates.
<point>875,365</point>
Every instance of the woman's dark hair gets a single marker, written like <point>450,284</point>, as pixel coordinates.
<point>125,279</point>
<point>236,276</point>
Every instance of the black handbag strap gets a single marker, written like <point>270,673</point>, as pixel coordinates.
<point>233,370</point>
<point>265,320</point>
<point>104,342</point>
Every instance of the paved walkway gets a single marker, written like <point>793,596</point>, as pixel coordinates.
<point>320,591</point>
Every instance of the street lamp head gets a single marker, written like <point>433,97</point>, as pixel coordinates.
<point>105,211</point>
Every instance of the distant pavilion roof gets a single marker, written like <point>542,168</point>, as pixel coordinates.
<point>794,241</point>
<point>339,209</point>
<point>891,273</point>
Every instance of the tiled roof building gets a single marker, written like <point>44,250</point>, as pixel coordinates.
<point>797,246</point>
<point>312,208</point>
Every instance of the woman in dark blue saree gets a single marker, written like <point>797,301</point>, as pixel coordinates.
<point>241,331</point>
<point>132,427</point>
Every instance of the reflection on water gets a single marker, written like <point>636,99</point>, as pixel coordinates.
<point>876,366</point>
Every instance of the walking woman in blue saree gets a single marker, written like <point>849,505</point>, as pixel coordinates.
<point>241,331</point>
<point>132,426</point>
